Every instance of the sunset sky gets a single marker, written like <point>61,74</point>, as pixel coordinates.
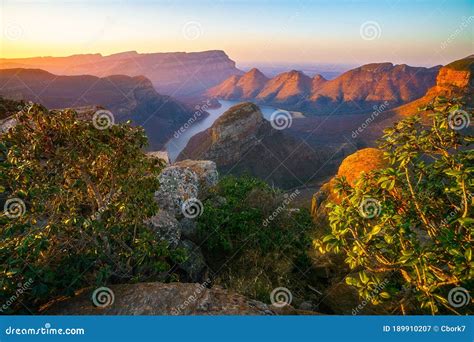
<point>354,32</point>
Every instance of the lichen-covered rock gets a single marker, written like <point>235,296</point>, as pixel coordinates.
<point>206,171</point>
<point>194,265</point>
<point>166,227</point>
<point>177,185</point>
<point>164,299</point>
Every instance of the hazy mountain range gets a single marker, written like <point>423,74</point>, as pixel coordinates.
<point>178,74</point>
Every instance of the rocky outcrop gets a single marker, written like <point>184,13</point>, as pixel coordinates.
<point>128,98</point>
<point>355,91</point>
<point>455,79</point>
<point>178,73</point>
<point>183,187</point>
<point>241,141</point>
<point>287,88</point>
<point>164,299</point>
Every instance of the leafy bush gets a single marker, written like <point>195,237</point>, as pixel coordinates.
<point>411,223</point>
<point>81,195</point>
<point>249,252</point>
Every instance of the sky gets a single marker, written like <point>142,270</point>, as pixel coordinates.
<point>273,32</point>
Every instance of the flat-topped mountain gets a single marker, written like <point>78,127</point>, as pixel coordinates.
<point>178,74</point>
<point>241,141</point>
<point>129,98</point>
<point>355,91</point>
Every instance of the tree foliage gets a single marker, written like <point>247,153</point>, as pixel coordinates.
<point>75,200</point>
<point>249,252</point>
<point>411,223</point>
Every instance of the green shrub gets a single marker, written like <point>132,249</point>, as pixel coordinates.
<point>82,195</point>
<point>249,252</point>
<point>411,223</point>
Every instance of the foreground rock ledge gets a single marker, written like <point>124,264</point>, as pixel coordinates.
<point>165,299</point>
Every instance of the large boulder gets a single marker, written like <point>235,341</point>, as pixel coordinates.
<point>194,264</point>
<point>352,168</point>
<point>166,227</point>
<point>176,186</point>
<point>161,299</point>
<point>205,170</point>
<point>189,179</point>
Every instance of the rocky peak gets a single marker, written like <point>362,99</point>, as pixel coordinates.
<point>317,82</point>
<point>237,125</point>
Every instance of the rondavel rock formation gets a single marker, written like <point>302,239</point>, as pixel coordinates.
<point>242,141</point>
<point>355,91</point>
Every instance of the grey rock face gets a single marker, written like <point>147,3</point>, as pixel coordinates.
<point>166,227</point>
<point>176,186</point>
<point>162,299</point>
<point>194,265</point>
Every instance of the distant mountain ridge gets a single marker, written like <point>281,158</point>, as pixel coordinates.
<point>355,91</point>
<point>129,98</point>
<point>178,74</point>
